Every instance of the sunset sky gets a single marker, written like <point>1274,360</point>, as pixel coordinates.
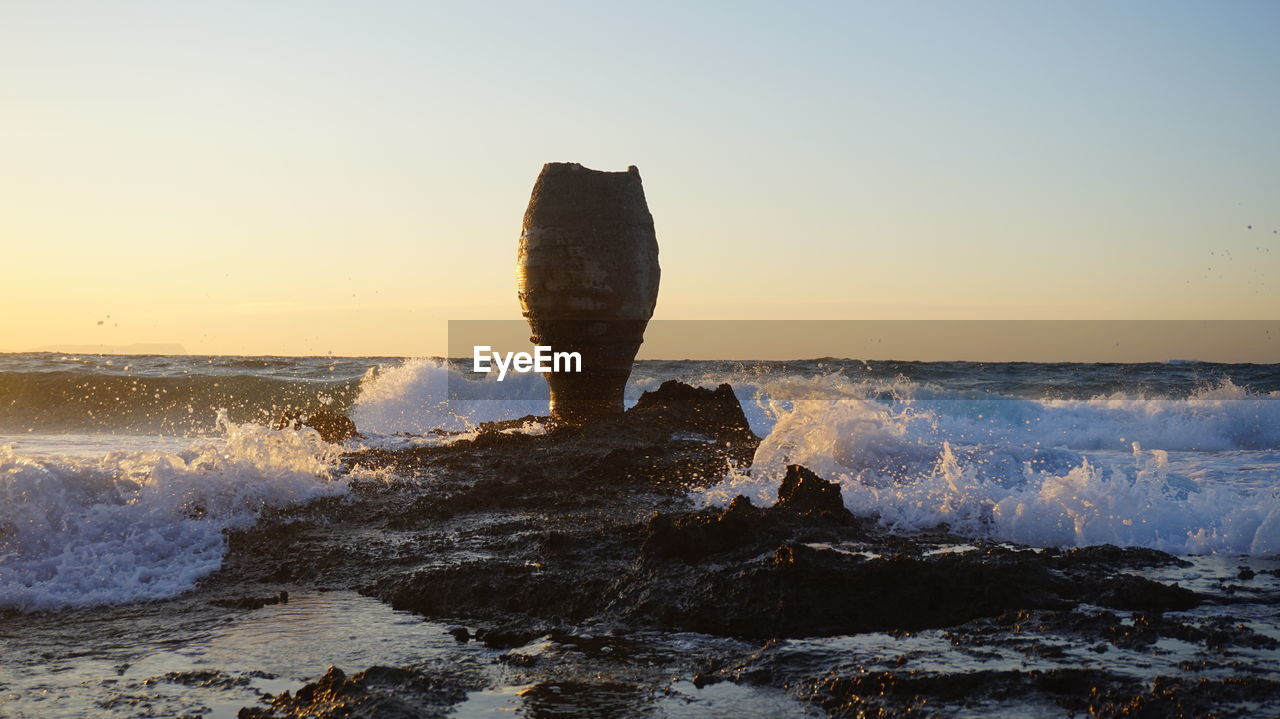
<point>305,178</point>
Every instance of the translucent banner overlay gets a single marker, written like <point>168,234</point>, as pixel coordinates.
<point>1010,358</point>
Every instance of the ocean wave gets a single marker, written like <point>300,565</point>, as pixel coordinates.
<point>133,526</point>
<point>421,395</point>
<point>1047,472</point>
<point>1186,468</point>
<point>66,401</point>
<point>1222,416</point>
<point>1042,472</point>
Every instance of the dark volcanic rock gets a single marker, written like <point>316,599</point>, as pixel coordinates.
<point>375,693</point>
<point>715,413</point>
<point>249,602</point>
<point>1181,697</point>
<point>1112,556</point>
<point>694,536</point>
<point>1094,627</point>
<point>334,427</point>
<point>205,678</point>
<point>521,534</point>
<point>1125,591</point>
<point>804,492</point>
<point>799,590</point>
<point>778,572</point>
<point>496,591</point>
<point>809,508</point>
<point>911,693</point>
<point>587,277</point>
<point>1093,692</point>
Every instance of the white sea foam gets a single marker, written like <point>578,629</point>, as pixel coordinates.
<point>1217,417</point>
<point>139,525</point>
<point>415,398</point>
<point>1194,474</point>
<point>80,526</point>
<point>1042,472</point>
<point>423,394</point>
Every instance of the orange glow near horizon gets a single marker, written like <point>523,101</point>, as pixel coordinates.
<point>292,179</point>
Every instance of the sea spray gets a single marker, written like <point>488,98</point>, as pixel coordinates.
<point>998,450</point>
<point>423,394</point>
<point>1195,473</point>
<point>96,400</point>
<point>131,526</point>
<point>1042,472</point>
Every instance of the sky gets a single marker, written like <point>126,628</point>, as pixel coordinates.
<point>312,178</point>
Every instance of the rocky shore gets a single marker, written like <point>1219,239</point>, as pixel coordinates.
<point>577,555</point>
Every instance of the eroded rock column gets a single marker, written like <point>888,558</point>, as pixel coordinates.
<point>587,274</point>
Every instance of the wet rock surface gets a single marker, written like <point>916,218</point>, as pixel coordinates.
<point>1085,692</point>
<point>333,427</point>
<point>575,555</point>
<point>382,692</point>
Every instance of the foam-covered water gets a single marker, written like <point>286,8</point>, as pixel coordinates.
<point>421,395</point>
<point>1183,469</point>
<point>42,392</point>
<point>118,475</point>
<point>1198,474</point>
<point>132,525</point>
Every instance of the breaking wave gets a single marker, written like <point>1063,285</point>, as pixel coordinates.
<point>1194,473</point>
<point>421,395</point>
<point>141,525</point>
<point>73,401</point>
<point>1182,459</point>
<point>1191,475</point>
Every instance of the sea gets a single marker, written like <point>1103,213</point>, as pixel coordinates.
<point>120,475</point>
